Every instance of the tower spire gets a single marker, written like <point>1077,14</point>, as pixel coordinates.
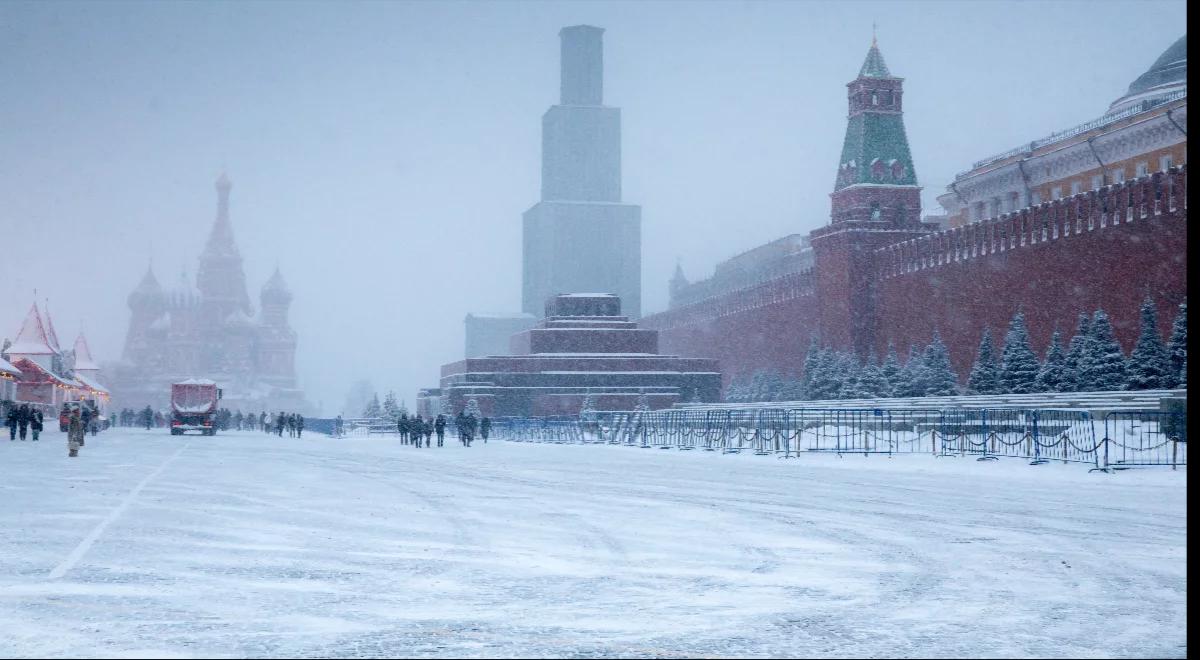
<point>220,277</point>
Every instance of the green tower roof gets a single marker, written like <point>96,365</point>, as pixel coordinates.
<point>874,66</point>
<point>876,146</point>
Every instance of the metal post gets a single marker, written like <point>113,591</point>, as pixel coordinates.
<point>1037,454</point>
<point>985,457</point>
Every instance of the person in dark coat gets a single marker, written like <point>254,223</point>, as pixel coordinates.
<point>299,425</point>
<point>402,428</point>
<point>485,427</point>
<point>11,420</point>
<point>36,424</point>
<point>23,420</point>
<point>414,431</point>
<point>427,427</point>
<point>439,425</point>
<point>460,426</point>
<point>471,424</point>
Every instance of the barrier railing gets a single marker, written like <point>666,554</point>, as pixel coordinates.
<point>1122,439</point>
<point>1144,438</point>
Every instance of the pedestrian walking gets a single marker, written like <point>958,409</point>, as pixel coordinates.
<point>23,421</point>
<point>485,427</point>
<point>299,425</point>
<point>86,416</point>
<point>279,424</point>
<point>403,426</point>
<point>11,420</point>
<point>414,431</point>
<point>439,425</point>
<point>471,424</point>
<point>74,433</point>
<point>36,424</point>
<point>427,427</point>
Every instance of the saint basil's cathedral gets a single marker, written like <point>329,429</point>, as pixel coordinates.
<point>210,329</point>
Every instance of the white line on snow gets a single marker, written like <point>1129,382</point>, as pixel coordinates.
<point>86,544</point>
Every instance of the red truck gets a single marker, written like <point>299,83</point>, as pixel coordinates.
<point>194,406</point>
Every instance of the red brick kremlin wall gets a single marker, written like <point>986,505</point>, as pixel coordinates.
<point>1105,249</point>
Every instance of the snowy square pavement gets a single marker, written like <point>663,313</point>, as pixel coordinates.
<point>249,545</point>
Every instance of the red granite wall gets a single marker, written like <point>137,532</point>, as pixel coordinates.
<point>1104,249</point>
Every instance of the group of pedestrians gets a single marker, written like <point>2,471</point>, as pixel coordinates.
<point>76,419</point>
<point>22,419</point>
<point>293,423</point>
<point>468,425</point>
<point>413,429</point>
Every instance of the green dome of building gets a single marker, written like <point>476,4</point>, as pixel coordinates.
<point>1165,77</point>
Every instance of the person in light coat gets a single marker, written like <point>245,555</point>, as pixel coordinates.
<point>75,430</point>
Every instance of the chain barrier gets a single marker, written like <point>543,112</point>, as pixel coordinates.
<point>1121,440</point>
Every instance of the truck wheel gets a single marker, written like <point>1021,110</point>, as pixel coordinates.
<point>176,432</point>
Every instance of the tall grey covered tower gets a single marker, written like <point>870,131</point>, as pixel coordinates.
<point>580,237</point>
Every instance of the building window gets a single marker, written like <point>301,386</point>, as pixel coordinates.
<point>1035,198</point>
<point>1014,202</point>
<point>1056,192</point>
<point>1143,169</point>
<point>874,98</point>
<point>1076,187</point>
<point>1164,163</point>
<point>876,214</point>
<point>1097,182</point>
<point>1118,176</point>
<point>977,211</point>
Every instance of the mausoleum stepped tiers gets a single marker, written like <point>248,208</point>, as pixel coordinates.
<point>583,348</point>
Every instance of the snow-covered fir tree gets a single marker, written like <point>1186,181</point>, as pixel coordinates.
<point>1149,363</point>
<point>1078,353</point>
<point>890,370</point>
<point>985,374</point>
<point>1178,347</point>
<point>825,381</point>
<point>792,390</point>
<point>473,408</point>
<point>1053,375</point>
<point>391,407</point>
<point>1018,363</point>
<point>939,378</point>
<point>871,380</point>
<point>765,385</point>
<point>811,360</point>
<point>852,385</point>
<point>1105,365</point>
<point>736,392</point>
<point>373,409</point>
<point>589,404</point>
<point>910,379</point>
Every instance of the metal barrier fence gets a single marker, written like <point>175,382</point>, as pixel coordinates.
<point>1122,439</point>
<point>1144,438</point>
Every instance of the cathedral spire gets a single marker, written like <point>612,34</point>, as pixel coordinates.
<point>220,239</point>
<point>220,278</point>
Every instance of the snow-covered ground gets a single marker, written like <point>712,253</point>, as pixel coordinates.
<point>249,545</point>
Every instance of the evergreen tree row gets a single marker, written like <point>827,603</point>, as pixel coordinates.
<point>1091,361</point>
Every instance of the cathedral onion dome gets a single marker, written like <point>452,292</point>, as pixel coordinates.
<point>148,292</point>
<point>184,295</point>
<point>276,291</point>
<point>1167,76</point>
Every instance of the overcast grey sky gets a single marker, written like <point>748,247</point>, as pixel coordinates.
<point>382,153</point>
